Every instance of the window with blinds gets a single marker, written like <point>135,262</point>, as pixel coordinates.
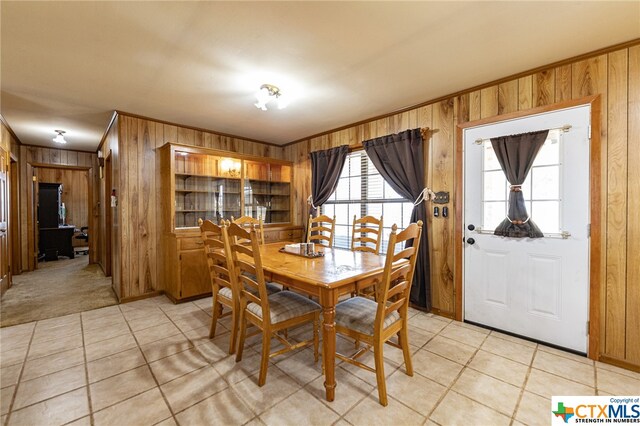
<point>362,191</point>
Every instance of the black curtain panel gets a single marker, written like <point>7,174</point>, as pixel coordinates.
<point>326,167</point>
<point>399,159</point>
<point>516,154</point>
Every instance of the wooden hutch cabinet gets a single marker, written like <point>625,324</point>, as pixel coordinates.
<point>200,183</point>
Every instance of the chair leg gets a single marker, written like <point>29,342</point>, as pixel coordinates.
<point>243,332</point>
<point>316,337</point>
<point>215,313</point>
<point>264,362</point>
<point>233,340</point>
<point>403,340</point>
<point>382,386</point>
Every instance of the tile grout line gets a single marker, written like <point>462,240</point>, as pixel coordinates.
<point>210,364</point>
<point>24,363</point>
<point>86,374</point>
<point>595,378</point>
<point>155,379</point>
<point>342,417</point>
<point>464,368</point>
<point>524,385</point>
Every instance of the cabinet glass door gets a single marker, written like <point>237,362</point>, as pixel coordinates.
<point>267,189</point>
<point>206,187</point>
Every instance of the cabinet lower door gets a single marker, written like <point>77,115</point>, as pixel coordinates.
<point>194,277</point>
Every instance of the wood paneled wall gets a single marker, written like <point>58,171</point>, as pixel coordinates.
<point>615,76</point>
<point>29,157</point>
<point>75,192</point>
<point>137,183</point>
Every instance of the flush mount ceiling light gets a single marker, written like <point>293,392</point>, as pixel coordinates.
<point>60,136</point>
<point>267,93</point>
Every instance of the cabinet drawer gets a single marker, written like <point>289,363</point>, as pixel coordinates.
<point>291,235</point>
<point>190,243</point>
<point>271,236</point>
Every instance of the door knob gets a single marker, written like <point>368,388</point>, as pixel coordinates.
<point>471,241</point>
<point>471,227</point>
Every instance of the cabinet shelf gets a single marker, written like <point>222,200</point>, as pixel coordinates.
<point>212,192</point>
<point>190,175</point>
<point>269,194</point>
<point>274,182</point>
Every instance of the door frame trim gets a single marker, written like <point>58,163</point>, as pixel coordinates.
<point>596,185</point>
<point>32,251</point>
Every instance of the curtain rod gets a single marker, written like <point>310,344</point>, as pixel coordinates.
<point>564,129</point>
<point>357,146</point>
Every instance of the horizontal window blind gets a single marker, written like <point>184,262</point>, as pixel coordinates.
<point>362,191</point>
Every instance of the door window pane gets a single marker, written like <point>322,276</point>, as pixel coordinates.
<point>493,214</point>
<point>495,186</point>
<point>490,160</point>
<point>546,215</point>
<point>550,151</point>
<point>547,182</point>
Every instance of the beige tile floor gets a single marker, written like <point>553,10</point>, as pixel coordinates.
<point>151,362</point>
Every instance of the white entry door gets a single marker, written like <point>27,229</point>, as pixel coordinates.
<point>538,288</point>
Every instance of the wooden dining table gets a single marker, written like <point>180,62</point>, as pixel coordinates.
<point>338,272</point>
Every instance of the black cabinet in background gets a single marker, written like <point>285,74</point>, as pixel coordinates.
<point>49,199</point>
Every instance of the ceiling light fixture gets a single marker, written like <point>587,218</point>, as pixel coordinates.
<point>267,93</point>
<point>60,136</point>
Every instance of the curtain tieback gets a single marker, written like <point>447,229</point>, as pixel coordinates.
<point>518,222</point>
<point>425,195</point>
<point>516,188</point>
<point>310,202</point>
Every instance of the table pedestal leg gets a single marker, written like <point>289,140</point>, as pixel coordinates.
<point>329,350</point>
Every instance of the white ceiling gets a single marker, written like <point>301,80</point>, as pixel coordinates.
<point>68,65</point>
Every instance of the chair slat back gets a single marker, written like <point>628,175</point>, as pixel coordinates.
<point>247,266</point>
<point>321,229</point>
<point>395,286</point>
<point>218,253</point>
<point>366,234</point>
<point>247,221</point>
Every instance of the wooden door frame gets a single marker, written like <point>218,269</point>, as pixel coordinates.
<point>14,215</point>
<point>4,167</point>
<point>90,220</point>
<point>108,216</point>
<point>596,186</point>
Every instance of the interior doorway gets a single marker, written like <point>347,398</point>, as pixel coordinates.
<point>71,280</point>
<point>63,219</point>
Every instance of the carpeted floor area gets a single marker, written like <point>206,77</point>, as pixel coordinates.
<point>56,288</point>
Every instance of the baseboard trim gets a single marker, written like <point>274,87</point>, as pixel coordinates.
<point>442,313</point>
<point>619,363</point>
<point>141,297</point>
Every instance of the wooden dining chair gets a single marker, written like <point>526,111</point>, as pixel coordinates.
<point>247,221</point>
<point>224,286</point>
<point>366,234</point>
<point>321,229</point>
<point>270,313</point>
<point>375,323</point>
<point>223,283</point>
